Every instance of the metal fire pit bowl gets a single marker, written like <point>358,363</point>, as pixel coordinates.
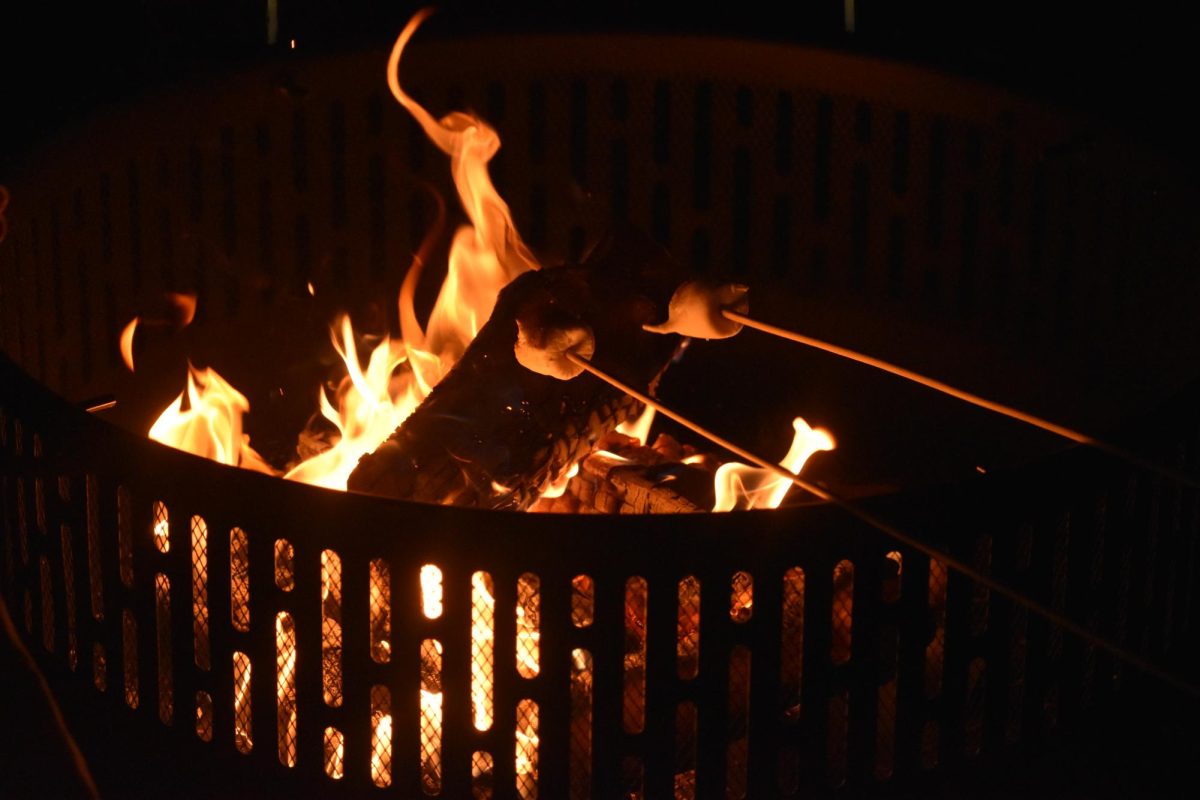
<point>939,223</point>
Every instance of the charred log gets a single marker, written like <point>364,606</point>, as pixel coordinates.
<point>492,433</point>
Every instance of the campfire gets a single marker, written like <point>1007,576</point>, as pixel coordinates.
<point>353,605</point>
<point>599,456</point>
<point>503,432</point>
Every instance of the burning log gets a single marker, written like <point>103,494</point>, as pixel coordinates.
<point>494,433</point>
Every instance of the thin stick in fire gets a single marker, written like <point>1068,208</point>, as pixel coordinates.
<point>973,399</point>
<point>1053,617</point>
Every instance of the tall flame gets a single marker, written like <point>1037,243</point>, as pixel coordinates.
<point>742,486</point>
<point>484,256</point>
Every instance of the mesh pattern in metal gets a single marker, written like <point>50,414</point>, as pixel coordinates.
<point>930,744</point>
<point>935,650</point>
<point>483,649</point>
<point>583,601</point>
<point>331,628</point>
<point>285,688</point>
<point>68,565</point>
<point>526,741</point>
<point>634,705</point>
<point>974,706</point>
<point>838,745</point>
<point>741,597</point>
<point>239,580</point>
<point>843,612</point>
<point>381,736</point>
<point>431,716</point>
<point>200,593</point>
<point>285,570</point>
<point>685,751</point>
<point>529,597</point>
<point>483,770</point>
<point>980,594</point>
<point>581,725</point>
<point>162,527</point>
<point>334,747</point>
<point>125,535</point>
<point>737,749</point>
<point>162,626</point>
<point>243,733</point>
<point>380,589</point>
<point>893,574</point>
<point>633,778</point>
<point>95,573</point>
<point>431,591</point>
<point>47,604</point>
<point>22,522</point>
<point>687,629</point>
<point>99,668</point>
<point>885,730</point>
<point>204,716</point>
<point>39,501</point>
<point>792,645</point>
<point>129,657</point>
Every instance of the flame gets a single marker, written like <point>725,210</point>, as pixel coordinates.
<point>185,303</point>
<point>483,650</point>
<point>431,591</point>
<point>127,342</point>
<point>742,486</point>
<point>431,734</point>
<point>558,486</point>
<point>370,403</point>
<point>211,425</point>
<point>381,758</point>
<point>484,256</point>
<point>639,428</point>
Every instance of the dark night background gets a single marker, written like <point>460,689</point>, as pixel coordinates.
<point>1130,63</point>
<point>1133,65</point>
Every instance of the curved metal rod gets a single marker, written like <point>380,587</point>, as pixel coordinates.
<point>1047,613</point>
<point>974,399</point>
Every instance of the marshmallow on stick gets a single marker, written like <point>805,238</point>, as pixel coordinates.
<point>696,306</point>
<point>543,348</point>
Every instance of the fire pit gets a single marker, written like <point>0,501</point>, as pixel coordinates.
<point>279,637</point>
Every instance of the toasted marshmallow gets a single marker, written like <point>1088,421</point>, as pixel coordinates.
<point>544,349</point>
<point>696,306</point>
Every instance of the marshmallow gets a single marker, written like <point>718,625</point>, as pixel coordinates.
<point>696,306</point>
<point>544,349</point>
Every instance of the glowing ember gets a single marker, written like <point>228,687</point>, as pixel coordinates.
<point>741,486</point>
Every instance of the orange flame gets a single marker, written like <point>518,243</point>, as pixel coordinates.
<point>639,428</point>
<point>741,486</point>
<point>211,425</point>
<point>484,257</point>
<point>127,342</point>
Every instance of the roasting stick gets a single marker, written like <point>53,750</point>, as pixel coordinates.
<point>973,399</point>
<point>887,528</point>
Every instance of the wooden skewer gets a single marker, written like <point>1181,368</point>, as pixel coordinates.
<point>891,531</point>
<point>974,399</point>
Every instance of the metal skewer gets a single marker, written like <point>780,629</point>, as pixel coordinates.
<point>974,399</point>
<point>1053,617</point>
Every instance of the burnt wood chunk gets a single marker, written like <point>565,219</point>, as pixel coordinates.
<point>492,433</point>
